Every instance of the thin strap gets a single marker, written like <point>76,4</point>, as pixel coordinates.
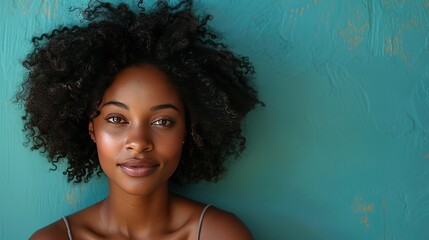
<point>200,223</point>
<point>68,228</point>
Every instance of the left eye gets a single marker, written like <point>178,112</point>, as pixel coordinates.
<point>163,122</point>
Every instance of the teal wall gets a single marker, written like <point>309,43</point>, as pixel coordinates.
<point>341,151</point>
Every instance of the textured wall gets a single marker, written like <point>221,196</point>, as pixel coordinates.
<point>340,152</point>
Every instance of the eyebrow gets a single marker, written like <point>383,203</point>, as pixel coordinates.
<point>154,108</point>
<point>117,104</point>
<point>163,106</point>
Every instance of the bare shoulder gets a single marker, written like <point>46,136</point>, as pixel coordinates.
<point>216,224</point>
<point>58,229</point>
<point>54,231</point>
<point>219,224</point>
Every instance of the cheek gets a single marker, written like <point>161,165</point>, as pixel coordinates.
<point>171,149</point>
<point>108,144</point>
<point>172,156</point>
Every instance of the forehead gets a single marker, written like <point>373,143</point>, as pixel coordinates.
<point>142,84</point>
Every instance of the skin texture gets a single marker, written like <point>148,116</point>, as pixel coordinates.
<point>142,119</point>
<point>142,124</point>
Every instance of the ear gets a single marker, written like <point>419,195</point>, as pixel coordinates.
<point>184,136</point>
<point>91,130</point>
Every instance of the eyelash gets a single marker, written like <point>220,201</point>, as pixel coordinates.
<point>164,122</point>
<point>110,120</point>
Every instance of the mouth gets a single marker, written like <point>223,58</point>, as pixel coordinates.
<point>138,167</point>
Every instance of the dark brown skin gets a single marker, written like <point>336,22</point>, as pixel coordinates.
<point>142,123</point>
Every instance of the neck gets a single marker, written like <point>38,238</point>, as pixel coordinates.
<point>134,215</point>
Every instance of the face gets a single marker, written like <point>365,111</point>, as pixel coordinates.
<point>140,130</point>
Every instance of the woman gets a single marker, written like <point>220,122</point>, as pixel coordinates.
<point>148,98</point>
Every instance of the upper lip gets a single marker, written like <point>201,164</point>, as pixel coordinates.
<point>138,162</point>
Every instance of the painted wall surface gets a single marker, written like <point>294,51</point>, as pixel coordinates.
<point>341,151</point>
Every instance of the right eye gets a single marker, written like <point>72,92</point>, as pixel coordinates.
<point>115,120</point>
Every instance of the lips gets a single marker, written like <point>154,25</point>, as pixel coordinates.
<point>138,167</point>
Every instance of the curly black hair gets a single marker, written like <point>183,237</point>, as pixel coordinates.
<point>70,68</point>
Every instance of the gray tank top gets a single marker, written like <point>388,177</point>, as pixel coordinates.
<point>200,223</point>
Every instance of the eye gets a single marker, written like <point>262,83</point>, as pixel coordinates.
<point>115,120</point>
<point>163,122</point>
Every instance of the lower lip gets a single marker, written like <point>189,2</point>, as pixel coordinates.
<point>138,171</point>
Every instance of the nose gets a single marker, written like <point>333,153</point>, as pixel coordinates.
<point>139,139</point>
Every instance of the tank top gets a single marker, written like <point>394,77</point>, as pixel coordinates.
<point>200,223</point>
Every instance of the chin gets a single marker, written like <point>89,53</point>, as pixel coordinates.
<point>140,187</point>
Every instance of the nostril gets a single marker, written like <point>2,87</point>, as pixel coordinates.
<point>139,143</point>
